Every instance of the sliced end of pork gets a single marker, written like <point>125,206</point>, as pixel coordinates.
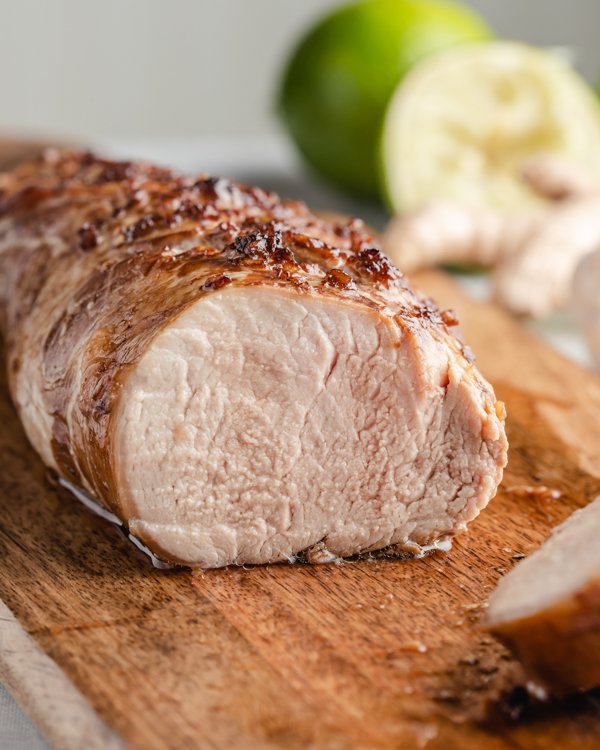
<point>263,421</point>
<point>547,610</point>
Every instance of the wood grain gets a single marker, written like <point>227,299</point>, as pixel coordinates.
<point>365,654</point>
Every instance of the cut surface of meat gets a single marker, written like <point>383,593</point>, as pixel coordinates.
<point>270,422</point>
<point>547,609</point>
<point>233,377</point>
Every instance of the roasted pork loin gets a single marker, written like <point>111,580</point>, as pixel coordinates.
<point>233,377</point>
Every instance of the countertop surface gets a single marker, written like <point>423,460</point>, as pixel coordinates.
<point>269,164</point>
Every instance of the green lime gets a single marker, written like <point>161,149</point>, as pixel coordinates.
<point>338,82</point>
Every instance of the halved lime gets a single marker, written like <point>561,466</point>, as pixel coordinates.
<point>338,81</point>
<point>464,122</point>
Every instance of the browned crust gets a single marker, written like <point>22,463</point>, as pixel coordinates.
<point>139,244</point>
<point>15,150</point>
<point>559,646</point>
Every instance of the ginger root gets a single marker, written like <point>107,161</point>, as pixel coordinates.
<point>586,301</point>
<point>534,256</point>
<point>557,178</point>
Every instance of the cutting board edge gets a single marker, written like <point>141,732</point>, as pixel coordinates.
<point>62,715</point>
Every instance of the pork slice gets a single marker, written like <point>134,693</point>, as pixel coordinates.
<point>547,609</point>
<point>234,378</point>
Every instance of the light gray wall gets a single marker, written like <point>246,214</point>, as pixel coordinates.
<point>152,67</point>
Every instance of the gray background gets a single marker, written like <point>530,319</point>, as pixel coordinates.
<point>193,67</point>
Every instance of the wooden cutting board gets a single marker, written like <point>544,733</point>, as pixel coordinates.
<point>104,651</point>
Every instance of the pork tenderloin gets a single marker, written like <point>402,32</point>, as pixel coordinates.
<point>233,377</point>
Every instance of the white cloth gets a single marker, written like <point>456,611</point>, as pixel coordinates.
<point>16,731</point>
